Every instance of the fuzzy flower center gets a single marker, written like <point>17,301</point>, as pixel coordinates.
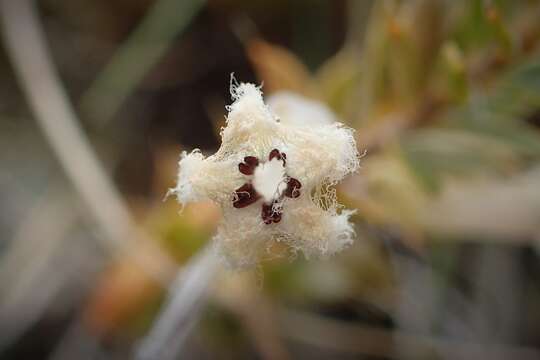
<point>269,179</point>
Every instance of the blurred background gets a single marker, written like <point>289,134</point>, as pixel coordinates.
<point>99,97</point>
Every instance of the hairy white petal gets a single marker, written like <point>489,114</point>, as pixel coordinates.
<point>325,153</point>
<point>328,148</point>
<point>241,236</point>
<point>317,232</point>
<point>251,127</point>
<point>296,110</point>
<point>200,179</point>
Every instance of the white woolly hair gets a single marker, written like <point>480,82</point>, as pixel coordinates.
<point>320,153</point>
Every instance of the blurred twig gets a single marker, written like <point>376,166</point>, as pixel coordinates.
<point>466,210</point>
<point>373,58</point>
<point>173,325</point>
<point>179,314</point>
<point>358,18</point>
<point>142,50</point>
<point>30,57</point>
<point>32,62</point>
<point>26,281</point>
<point>241,295</point>
<point>50,216</point>
<point>77,341</point>
<point>350,338</point>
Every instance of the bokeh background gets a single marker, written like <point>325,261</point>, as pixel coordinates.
<point>99,97</point>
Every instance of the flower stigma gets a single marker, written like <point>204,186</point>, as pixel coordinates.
<point>269,179</point>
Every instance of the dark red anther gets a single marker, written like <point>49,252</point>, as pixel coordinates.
<point>245,195</point>
<point>245,169</point>
<point>266,213</point>
<point>249,165</point>
<point>269,215</point>
<point>293,188</point>
<point>277,154</point>
<point>274,154</point>
<point>251,161</point>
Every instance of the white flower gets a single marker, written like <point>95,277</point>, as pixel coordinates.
<point>273,177</point>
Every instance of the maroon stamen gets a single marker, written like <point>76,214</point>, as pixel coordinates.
<point>251,161</point>
<point>293,188</point>
<point>249,165</point>
<point>269,215</point>
<point>274,153</point>
<point>278,155</point>
<point>245,195</point>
